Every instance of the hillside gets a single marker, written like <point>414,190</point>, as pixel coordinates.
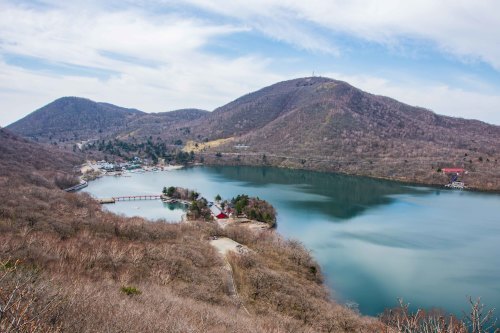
<point>73,118</point>
<point>323,124</point>
<point>155,124</point>
<point>20,157</point>
<point>68,266</point>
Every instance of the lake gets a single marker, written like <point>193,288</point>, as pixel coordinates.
<point>375,240</point>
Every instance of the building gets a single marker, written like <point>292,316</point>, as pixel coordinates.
<point>221,215</point>
<point>217,213</point>
<point>452,170</point>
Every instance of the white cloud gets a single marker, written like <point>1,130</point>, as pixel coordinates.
<point>181,85</point>
<point>157,62</point>
<point>77,37</point>
<point>156,59</point>
<point>468,29</point>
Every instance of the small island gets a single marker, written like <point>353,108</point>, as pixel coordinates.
<point>240,209</point>
<point>253,208</point>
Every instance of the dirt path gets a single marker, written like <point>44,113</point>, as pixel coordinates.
<point>251,224</point>
<point>223,246</point>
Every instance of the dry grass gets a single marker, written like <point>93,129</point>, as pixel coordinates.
<point>279,276</point>
<point>87,256</point>
<point>201,146</point>
<point>75,259</point>
<point>68,266</point>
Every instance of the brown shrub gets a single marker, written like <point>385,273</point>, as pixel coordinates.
<point>83,256</point>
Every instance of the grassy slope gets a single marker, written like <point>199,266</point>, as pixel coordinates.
<point>77,258</point>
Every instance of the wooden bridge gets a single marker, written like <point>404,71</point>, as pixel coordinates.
<point>138,197</point>
<point>130,198</point>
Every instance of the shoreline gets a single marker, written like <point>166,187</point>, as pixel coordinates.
<point>92,171</point>
<point>333,290</point>
<point>252,226</point>
<point>383,178</point>
<point>399,180</point>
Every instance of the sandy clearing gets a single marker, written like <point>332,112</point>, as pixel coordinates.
<point>224,245</point>
<point>244,222</point>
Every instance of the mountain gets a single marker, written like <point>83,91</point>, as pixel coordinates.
<point>326,111</point>
<point>77,119</point>
<point>328,125</point>
<point>155,124</point>
<point>311,123</point>
<point>73,118</point>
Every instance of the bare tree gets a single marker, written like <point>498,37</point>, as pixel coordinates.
<point>23,300</point>
<point>480,321</point>
<point>401,320</point>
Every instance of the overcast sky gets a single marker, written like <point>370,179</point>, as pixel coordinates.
<point>164,55</point>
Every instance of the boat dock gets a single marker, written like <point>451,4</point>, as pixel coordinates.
<point>106,201</point>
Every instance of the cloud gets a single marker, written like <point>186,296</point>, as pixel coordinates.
<point>154,63</point>
<point>466,29</point>
<point>79,37</point>
<point>156,55</point>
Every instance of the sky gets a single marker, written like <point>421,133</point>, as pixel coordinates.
<point>161,55</point>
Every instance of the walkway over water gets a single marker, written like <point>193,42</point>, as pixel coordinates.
<point>129,198</point>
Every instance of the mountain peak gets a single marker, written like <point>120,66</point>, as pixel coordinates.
<point>73,118</point>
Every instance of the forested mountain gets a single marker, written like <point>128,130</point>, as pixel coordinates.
<point>155,124</point>
<point>323,124</point>
<point>324,114</point>
<point>312,123</point>
<point>73,118</point>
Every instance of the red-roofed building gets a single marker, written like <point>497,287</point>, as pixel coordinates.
<point>218,213</point>
<point>452,170</point>
<point>221,215</point>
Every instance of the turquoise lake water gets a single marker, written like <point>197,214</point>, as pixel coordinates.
<point>375,240</point>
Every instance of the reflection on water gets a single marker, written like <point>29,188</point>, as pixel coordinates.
<point>175,206</point>
<point>343,196</point>
<point>432,247</point>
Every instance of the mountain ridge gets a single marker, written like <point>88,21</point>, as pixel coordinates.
<point>328,125</point>
<point>75,118</point>
<point>72,117</point>
<point>323,124</point>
